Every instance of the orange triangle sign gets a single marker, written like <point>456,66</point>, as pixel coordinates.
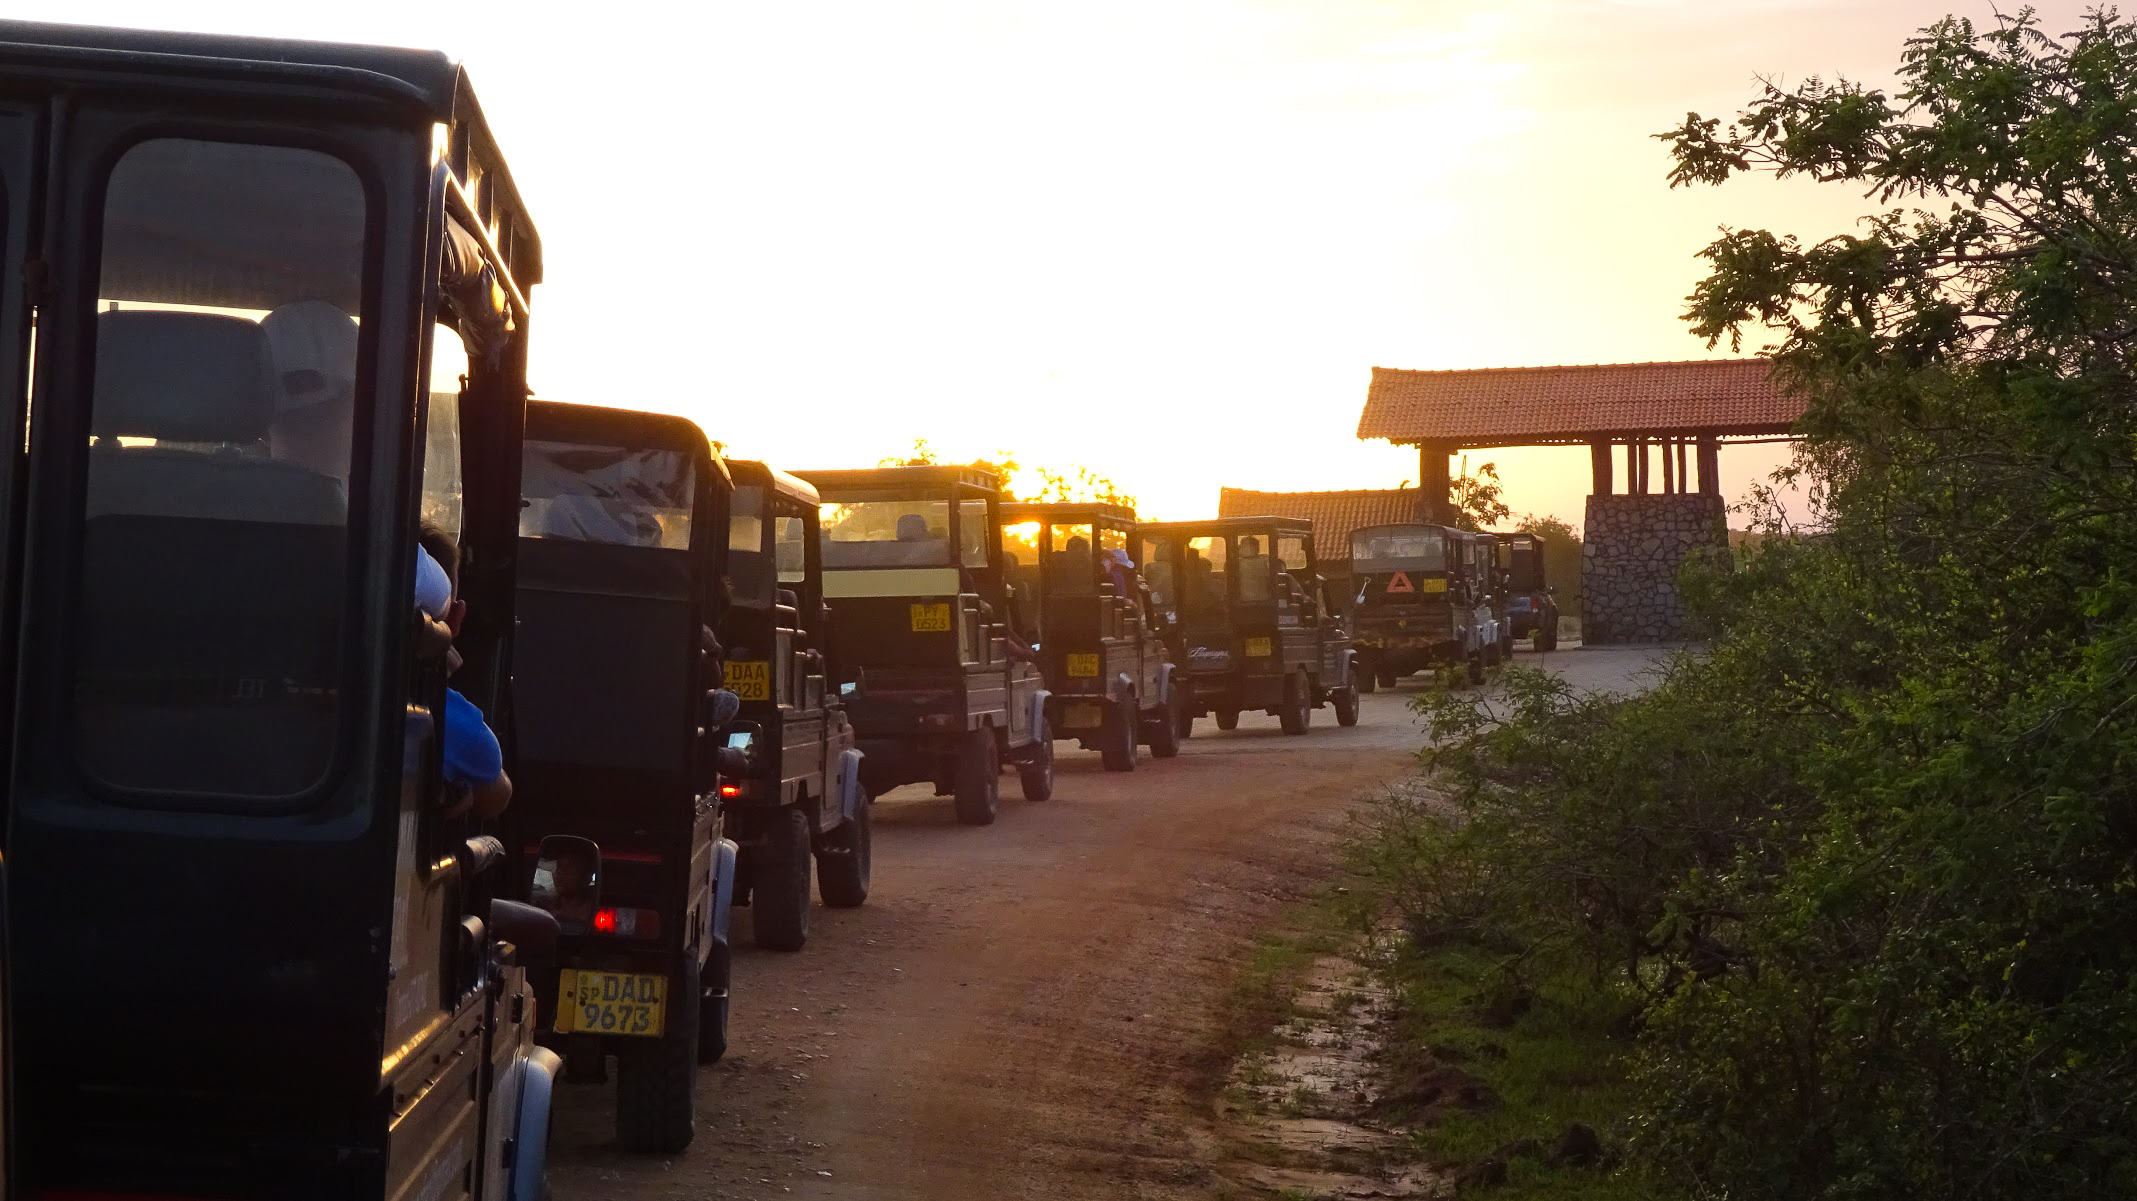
<point>1399,582</point>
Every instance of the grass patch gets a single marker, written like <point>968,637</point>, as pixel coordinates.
<point>1482,1066</point>
<point>1258,1005</point>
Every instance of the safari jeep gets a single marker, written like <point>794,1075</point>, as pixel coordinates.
<point>802,801</point>
<point>1100,645</point>
<point>1531,609</point>
<point>937,691</point>
<point>1256,622</point>
<point>1423,600</point>
<point>265,959</point>
<point>617,824</point>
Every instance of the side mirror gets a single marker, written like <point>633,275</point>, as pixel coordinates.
<point>567,881</point>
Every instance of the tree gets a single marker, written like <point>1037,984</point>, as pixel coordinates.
<point>1003,465</point>
<point>1940,1004</point>
<point>1475,498</point>
<point>1081,484</point>
<point>1561,558</point>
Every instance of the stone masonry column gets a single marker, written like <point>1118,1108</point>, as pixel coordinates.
<point>1631,549</point>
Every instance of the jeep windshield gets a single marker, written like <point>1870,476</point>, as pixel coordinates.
<point>606,494</point>
<point>887,532</point>
<point>1416,549</point>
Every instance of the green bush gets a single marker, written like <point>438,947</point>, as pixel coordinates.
<point>1867,868</point>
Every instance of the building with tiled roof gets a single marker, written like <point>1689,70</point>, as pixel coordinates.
<point>1333,514</point>
<point>1676,406</point>
<point>1530,406</point>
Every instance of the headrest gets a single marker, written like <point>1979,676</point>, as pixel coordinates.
<point>180,377</point>
<point>311,347</point>
<point>912,527</point>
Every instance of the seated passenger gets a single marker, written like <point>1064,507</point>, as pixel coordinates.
<point>474,760</point>
<point>1254,578</point>
<point>311,350</point>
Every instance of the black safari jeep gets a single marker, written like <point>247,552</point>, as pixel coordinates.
<point>1099,640</point>
<point>1424,600</point>
<point>802,799</point>
<point>1531,608</point>
<point>617,822</point>
<point>264,958</point>
<point>1257,625</point>
<point>938,688</point>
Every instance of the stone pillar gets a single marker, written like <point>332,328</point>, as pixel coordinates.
<point>1631,549</point>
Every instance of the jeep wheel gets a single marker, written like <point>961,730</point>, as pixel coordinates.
<point>1118,746</point>
<point>842,865</point>
<point>977,796</point>
<point>713,1003</point>
<point>1163,731</point>
<point>656,1079</point>
<point>1547,637</point>
<point>1346,700</point>
<point>1227,719</point>
<point>1385,676</point>
<point>779,881</point>
<point>1476,666</point>
<point>1367,676</point>
<point>1187,723</point>
<point>1037,776</point>
<point>1297,714</point>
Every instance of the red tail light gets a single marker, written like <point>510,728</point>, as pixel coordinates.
<point>730,791</point>
<point>627,923</point>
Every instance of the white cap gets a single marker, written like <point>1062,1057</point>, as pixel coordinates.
<point>312,347</point>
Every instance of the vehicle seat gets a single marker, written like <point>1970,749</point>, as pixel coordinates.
<point>211,574</point>
<point>198,385</point>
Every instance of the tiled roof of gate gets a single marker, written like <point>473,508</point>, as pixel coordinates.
<point>1333,514</point>
<point>1511,406</point>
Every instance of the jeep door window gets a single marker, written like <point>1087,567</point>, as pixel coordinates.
<point>749,573</point>
<point>1072,566</point>
<point>607,494</point>
<point>972,528</point>
<point>1255,570</point>
<point>209,652</point>
<point>886,532</point>
<point>790,549</point>
<point>1154,557</point>
<point>1206,585</point>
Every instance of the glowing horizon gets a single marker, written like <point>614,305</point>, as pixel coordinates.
<point>1163,241</point>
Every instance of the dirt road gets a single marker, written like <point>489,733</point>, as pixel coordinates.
<point>1021,1011</point>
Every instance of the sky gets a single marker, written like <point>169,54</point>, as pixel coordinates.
<point>1165,240</point>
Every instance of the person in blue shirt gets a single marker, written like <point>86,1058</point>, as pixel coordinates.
<point>474,760</point>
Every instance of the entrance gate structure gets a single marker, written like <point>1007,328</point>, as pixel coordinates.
<point>1663,419</point>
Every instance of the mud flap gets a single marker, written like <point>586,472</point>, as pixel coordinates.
<point>1039,727</point>
<point>849,783</point>
<point>530,1142</point>
<point>724,857</point>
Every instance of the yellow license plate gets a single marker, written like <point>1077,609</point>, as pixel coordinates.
<point>750,679</point>
<point>611,1003</point>
<point>1085,666</point>
<point>1083,716</point>
<point>931,618</point>
<point>1432,585</point>
<point>1258,648</point>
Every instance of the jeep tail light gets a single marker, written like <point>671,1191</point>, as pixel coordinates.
<point>627,923</point>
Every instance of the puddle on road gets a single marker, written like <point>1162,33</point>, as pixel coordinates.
<point>1297,1113</point>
